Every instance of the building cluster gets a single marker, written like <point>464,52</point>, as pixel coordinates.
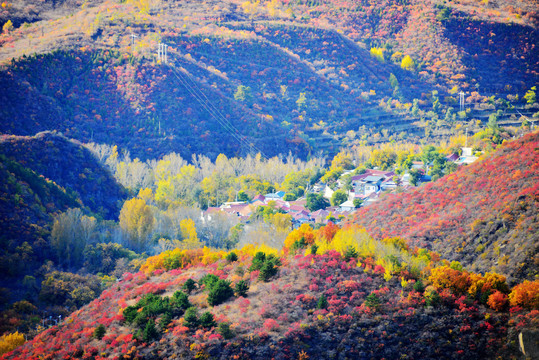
<point>362,189</point>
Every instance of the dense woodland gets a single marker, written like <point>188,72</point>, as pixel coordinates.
<point>110,157</point>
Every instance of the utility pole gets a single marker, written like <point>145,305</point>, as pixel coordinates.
<point>162,52</point>
<point>165,49</point>
<point>133,36</point>
<point>461,100</point>
<point>466,141</point>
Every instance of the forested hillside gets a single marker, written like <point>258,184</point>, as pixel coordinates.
<point>270,77</point>
<point>483,215</point>
<point>334,293</point>
<point>52,191</point>
<point>27,203</point>
<point>69,165</point>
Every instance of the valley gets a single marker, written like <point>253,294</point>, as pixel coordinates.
<point>288,179</point>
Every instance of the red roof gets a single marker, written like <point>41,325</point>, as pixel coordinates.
<point>381,173</point>
<point>212,210</point>
<point>259,197</point>
<point>296,208</point>
<point>234,208</point>
<point>301,215</point>
<point>359,177</point>
<point>320,212</point>
<point>302,202</point>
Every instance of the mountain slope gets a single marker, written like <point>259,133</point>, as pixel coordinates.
<point>27,205</point>
<point>363,316</point>
<point>485,215</point>
<point>69,165</point>
<point>40,177</point>
<point>272,77</point>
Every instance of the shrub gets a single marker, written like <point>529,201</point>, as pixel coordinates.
<point>220,292</point>
<point>206,320</point>
<point>189,285</point>
<point>150,332</point>
<point>289,197</point>
<point>418,286</point>
<point>268,270</point>
<point>407,63</point>
<point>372,301</point>
<point>130,313</point>
<point>165,320</point>
<point>322,302</point>
<point>241,288</point>
<point>431,296</point>
<point>180,300</point>
<point>100,331</point>
<point>350,253</point>
<point>452,278</point>
<point>232,257</point>
<point>258,261</point>
<point>525,295</point>
<point>141,319</point>
<point>266,264</point>
<point>271,325</point>
<point>9,342</point>
<point>497,301</point>
<point>298,244</point>
<point>209,280</point>
<point>225,331</point>
<point>314,249</point>
<point>191,317</point>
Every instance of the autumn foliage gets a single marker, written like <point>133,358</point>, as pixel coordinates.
<point>458,217</point>
<point>351,280</point>
<point>525,295</point>
<point>9,342</point>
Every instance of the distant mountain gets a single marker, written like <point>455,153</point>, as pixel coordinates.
<point>270,77</point>
<point>485,215</point>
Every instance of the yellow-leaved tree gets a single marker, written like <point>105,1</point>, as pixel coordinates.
<point>281,222</point>
<point>305,232</point>
<point>189,234</point>
<point>9,342</point>
<point>146,194</point>
<point>165,192</point>
<point>136,221</point>
<point>378,53</point>
<point>407,63</point>
<point>342,160</point>
<point>8,26</point>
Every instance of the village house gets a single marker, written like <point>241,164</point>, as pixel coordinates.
<point>347,206</point>
<point>320,216</point>
<point>467,157</point>
<point>275,196</point>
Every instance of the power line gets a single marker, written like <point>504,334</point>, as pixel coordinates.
<point>194,90</point>
<point>199,95</point>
